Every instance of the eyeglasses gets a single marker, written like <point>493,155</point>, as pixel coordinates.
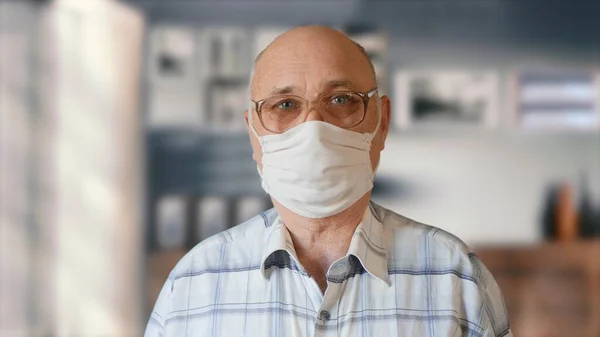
<point>344,109</point>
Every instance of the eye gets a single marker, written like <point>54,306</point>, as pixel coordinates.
<point>340,99</point>
<point>286,105</point>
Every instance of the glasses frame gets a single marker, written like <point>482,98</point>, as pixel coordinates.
<point>366,97</point>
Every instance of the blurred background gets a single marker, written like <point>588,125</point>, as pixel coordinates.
<point>123,145</point>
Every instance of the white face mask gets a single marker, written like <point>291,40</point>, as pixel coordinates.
<point>317,169</point>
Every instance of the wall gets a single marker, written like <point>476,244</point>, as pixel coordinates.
<point>484,187</point>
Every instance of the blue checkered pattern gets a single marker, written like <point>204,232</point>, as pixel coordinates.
<point>399,278</point>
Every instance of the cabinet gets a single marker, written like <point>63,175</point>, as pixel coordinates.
<point>552,289</point>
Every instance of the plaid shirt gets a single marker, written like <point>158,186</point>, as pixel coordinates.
<point>399,278</point>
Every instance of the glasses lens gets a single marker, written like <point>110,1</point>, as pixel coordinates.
<point>343,109</point>
<point>280,113</point>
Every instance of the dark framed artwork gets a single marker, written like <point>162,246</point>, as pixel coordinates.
<point>172,54</point>
<point>446,99</point>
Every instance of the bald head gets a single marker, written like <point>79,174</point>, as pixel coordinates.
<point>311,44</point>
<point>326,33</point>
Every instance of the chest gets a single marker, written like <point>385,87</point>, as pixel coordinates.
<point>291,304</point>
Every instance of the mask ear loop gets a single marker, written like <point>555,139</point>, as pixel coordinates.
<point>370,136</point>
<point>250,113</point>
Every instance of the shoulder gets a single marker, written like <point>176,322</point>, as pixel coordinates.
<point>419,249</point>
<point>236,250</point>
<point>408,234</point>
<point>237,246</point>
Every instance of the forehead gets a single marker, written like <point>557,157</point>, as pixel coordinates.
<point>309,71</point>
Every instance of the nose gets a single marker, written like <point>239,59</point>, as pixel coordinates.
<point>313,114</point>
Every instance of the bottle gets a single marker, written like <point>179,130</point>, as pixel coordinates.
<point>566,214</point>
<point>586,211</point>
<point>548,218</point>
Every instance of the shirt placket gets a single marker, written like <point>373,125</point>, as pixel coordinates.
<point>327,315</point>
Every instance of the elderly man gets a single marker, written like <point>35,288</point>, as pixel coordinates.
<point>325,261</point>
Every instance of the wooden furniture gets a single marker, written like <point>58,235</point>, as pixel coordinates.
<point>550,290</point>
<point>159,265</point>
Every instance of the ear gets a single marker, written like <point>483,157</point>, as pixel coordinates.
<point>247,124</point>
<point>386,112</point>
<point>253,143</point>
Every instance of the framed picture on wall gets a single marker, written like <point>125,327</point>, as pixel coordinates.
<point>174,105</point>
<point>556,99</point>
<point>223,51</point>
<point>226,101</point>
<point>174,87</point>
<point>445,99</point>
<point>172,54</point>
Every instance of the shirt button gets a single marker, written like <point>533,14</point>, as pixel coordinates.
<point>324,315</point>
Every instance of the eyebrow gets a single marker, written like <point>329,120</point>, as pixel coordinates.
<point>284,90</point>
<point>340,84</point>
<point>334,84</point>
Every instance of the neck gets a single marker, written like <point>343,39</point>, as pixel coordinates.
<point>320,242</point>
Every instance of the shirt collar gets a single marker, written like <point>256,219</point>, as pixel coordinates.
<point>278,239</point>
<point>367,244</point>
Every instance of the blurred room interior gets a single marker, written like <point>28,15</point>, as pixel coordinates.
<point>123,144</point>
